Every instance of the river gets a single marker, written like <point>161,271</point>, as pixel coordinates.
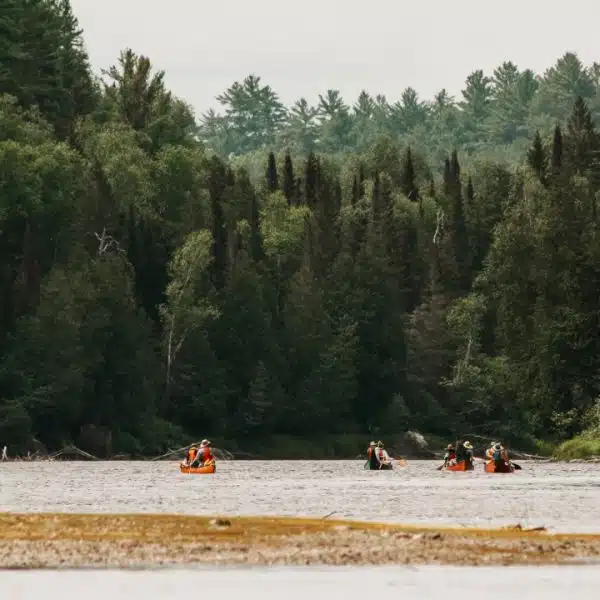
<point>300,583</point>
<point>562,497</point>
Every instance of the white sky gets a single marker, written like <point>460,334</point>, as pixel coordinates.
<point>303,48</point>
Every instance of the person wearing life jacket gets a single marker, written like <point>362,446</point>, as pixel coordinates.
<point>190,456</point>
<point>495,453</point>
<point>468,453</point>
<point>450,456</point>
<point>385,462</point>
<point>204,454</point>
<point>372,460</point>
<point>460,451</point>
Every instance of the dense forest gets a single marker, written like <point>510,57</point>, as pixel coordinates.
<point>306,271</point>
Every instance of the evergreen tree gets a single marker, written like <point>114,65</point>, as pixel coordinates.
<point>288,179</point>
<point>312,175</point>
<point>272,177</point>
<point>557,150</point>
<point>408,185</point>
<point>537,159</point>
<point>217,186</point>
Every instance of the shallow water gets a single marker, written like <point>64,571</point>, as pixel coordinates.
<point>562,497</point>
<point>408,583</point>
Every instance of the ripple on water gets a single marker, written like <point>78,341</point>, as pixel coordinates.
<point>560,496</point>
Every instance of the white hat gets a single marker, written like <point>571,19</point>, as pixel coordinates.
<point>372,444</point>
<point>467,444</point>
<point>204,443</point>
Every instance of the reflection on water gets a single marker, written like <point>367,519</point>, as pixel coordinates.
<point>300,583</point>
<point>562,497</point>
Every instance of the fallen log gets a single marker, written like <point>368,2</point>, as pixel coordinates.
<point>70,451</point>
<point>218,452</point>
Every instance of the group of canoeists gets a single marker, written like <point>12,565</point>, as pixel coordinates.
<point>378,459</point>
<point>461,455</point>
<point>458,457</point>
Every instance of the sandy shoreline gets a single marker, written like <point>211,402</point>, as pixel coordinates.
<point>119,541</point>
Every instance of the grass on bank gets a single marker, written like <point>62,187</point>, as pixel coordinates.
<point>178,529</point>
<point>580,447</point>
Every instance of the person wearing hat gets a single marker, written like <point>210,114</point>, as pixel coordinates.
<point>495,452</point>
<point>372,457</point>
<point>450,456</point>
<point>489,453</point>
<point>204,454</point>
<point>468,453</point>
<point>385,462</point>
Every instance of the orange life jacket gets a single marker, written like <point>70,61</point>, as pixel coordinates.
<point>205,454</point>
<point>191,454</point>
<point>369,452</point>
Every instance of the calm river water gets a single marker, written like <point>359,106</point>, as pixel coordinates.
<point>301,583</point>
<point>562,497</point>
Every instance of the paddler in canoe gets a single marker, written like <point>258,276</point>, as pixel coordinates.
<point>385,462</point>
<point>460,459</point>
<point>204,456</point>
<point>378,459</point>
<point>189,458</point>
<point>497,460</point>
<point>372,457</point>
<point>199,457</point>
<point>450,456</point>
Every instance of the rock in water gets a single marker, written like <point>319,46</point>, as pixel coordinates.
<point>418,445</point>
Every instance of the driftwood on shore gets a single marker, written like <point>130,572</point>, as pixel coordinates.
<point>179,452</point>
<point>67,451</point>
<point>72,451</point>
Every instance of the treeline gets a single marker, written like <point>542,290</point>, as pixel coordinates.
<point>497,114</point>
<point>152,290</point>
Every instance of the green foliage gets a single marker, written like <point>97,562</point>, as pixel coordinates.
<point>284,273</point>
<point>497,115</point>
<point>578,448</point>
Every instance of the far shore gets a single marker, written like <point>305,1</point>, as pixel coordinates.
<point>58,540</point>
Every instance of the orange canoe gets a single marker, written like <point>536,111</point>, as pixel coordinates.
<point>461,466</point>
<point>203,470</point>
<point>492,467</point>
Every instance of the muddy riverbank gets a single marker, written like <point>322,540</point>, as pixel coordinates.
<point>63,540</point>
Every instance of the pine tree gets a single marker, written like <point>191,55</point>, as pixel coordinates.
<point>537,159</point>
<point>361,181</point>
<point>217,185</point>
<point>408,181</point>
<point>582,142</point>
<point>460,236</point>
<point>80,95</point>
<point>250,198</point>
<point>557,150</point>
<point>447,179</point>
<point>376,199</point>
<point>311,180</point>
<point>272,177</point>
<point>288,179</point>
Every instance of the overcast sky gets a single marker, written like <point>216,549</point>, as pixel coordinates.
<point>303,48</point>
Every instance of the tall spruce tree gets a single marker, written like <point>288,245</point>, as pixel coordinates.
<point>272,176</point>
<point>288,179</point>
